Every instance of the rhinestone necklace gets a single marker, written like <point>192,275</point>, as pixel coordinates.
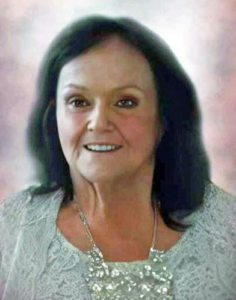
<point>146,279</point>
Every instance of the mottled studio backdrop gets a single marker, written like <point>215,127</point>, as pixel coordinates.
<point>202,34</point>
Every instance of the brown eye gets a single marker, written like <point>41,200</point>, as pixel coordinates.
<point>127,102</point>
<point>78,102</point>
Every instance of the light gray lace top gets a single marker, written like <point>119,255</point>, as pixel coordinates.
<point>37,262</point>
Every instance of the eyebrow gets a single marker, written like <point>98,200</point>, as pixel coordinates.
<point>126,86</point>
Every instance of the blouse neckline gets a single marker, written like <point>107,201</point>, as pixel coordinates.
<point>175,248</point>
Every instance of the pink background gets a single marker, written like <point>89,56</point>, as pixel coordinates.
<point>202,34</point>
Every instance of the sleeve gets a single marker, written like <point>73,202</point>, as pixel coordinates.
<point>11,210</point>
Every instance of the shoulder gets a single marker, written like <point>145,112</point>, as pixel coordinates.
<point>219,202</point>
<point>13,208</point>
<point>219,212</point>
<point>206,257</point>
<point>11,212</point>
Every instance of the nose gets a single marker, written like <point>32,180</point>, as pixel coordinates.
<point>99,119</point>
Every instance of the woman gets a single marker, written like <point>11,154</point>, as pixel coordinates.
<point>126,207</point>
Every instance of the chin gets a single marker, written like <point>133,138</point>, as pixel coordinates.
<point>98,178</point>
<point>96,174</point>
<point>103,175</point>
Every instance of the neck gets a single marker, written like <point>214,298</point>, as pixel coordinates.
<point>126,199</point>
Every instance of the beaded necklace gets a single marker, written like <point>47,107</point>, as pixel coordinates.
<point>146,279</point>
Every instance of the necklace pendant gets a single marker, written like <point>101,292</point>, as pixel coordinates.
<point>148,279</point>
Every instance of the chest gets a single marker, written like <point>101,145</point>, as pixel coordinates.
<point>115,247</point>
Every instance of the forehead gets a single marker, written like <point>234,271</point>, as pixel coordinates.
<point>113,61</point>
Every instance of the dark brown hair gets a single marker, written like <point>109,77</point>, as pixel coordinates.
<point>181,164</point>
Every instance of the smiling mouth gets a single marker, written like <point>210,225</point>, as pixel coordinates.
<point>102,148</point>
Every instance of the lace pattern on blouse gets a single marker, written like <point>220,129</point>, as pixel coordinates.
<point>38,264</point>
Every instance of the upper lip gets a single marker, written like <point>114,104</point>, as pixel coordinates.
<point>99,143</point>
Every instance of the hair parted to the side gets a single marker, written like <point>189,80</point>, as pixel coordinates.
<point>181,165</point>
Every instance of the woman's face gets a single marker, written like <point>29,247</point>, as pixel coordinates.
<point>107,114</point>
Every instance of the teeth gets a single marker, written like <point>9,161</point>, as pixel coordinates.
<point>102,147</point>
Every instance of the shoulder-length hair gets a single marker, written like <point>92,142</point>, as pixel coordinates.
<point>181,164</point>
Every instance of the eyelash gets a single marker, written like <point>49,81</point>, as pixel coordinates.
<point>129,99</point>
<point>134,102</point>
<point>76,100</point>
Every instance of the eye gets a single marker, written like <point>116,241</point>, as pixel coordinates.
<point>76,102</point>
<point>127,102</point>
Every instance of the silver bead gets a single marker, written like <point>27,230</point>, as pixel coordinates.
<point>96,287</point>
<point>115,273</point>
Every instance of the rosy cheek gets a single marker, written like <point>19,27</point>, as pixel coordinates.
<point>69,129</point>
<point>134,127</point>
<point>139,131</point>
